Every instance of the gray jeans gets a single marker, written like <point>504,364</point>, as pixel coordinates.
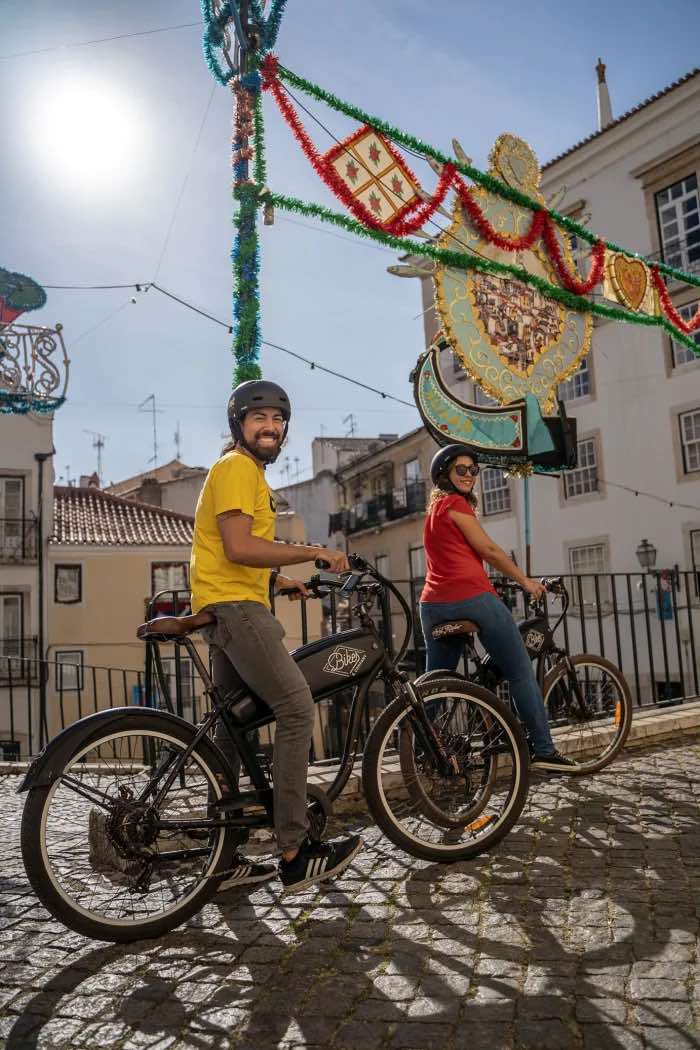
<point>253,640</point>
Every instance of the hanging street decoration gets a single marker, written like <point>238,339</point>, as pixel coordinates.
<point>514,437</point>
<point>18,294</point>
<point>510,338</point>
<point>515,301</point>
<point>33,358</point>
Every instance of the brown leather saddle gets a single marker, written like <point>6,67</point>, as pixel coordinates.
<point>450,628</point>
<point>166,628</point>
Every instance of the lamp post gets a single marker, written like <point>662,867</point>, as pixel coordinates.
<point>646,555</point>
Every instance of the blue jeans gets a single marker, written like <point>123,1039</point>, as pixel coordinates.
<point>502,641</point>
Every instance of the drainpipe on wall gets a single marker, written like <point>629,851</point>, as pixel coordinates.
<point>41,457</point>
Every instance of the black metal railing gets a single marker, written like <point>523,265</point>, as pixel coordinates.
<point>18,539</point>
<point>385,506</point>
<point>16,654</point>
<point>648,624</point>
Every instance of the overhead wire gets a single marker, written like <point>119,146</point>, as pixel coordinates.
<point>99,40</point>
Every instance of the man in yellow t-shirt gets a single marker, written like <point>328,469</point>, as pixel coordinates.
<point>233,554</point>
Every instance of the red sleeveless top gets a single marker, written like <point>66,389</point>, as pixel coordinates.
<point>454,571</point>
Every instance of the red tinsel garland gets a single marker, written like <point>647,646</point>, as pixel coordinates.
<point>414,215</point>
<point>507,242</point>
<point>687,327</point>
<point>571,283</point>
<point>407,221</point>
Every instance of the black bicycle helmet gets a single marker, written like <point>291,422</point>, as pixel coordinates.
<point>441,460</point>
<point>256,393</point>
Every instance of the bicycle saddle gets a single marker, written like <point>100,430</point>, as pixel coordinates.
<point>165,628</point>
<point>450,627</point>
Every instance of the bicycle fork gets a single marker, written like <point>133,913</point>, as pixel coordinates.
<point>446,764</point>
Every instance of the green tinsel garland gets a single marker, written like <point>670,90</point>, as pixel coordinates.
<point>467,261</point>
<point>489,182</point>
<point>259,128</point>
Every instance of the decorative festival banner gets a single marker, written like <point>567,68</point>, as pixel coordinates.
<point>514,437</point>
<point>628,281</point>
<point>510,338</point>
<point>375,173</point>
<point>18,294</point>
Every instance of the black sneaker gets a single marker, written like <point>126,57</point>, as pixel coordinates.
<point>317,861</point>
<point>552,763</point>
<point>243,872</point>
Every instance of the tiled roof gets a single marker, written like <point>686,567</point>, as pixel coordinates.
<point>625,116</point>
<point>90,516</point>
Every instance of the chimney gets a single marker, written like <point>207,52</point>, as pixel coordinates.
<point>605,116</point>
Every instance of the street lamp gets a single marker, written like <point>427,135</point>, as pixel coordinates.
<point>646,555</point>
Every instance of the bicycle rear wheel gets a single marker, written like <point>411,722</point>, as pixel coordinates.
<point>455,817</point>
<point>590,710</point>
<point>101,857</point>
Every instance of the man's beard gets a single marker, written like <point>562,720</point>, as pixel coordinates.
<point>266,453</point>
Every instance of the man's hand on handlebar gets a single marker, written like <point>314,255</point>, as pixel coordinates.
<point>295,590</point>
<point>333,561</point>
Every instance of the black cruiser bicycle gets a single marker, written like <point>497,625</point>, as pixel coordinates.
<point>133,814</point>
<point>587,698</point>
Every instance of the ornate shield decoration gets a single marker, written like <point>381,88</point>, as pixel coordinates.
<point>511,339</point>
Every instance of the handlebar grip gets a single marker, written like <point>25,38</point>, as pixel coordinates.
<point>322,564</point>
<point>288,590</point>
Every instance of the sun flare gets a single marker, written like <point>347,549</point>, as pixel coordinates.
<point>89,135</point>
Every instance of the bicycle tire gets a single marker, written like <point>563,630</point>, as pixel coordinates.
<point>622,715</point>
<point>518,782</point>
<point>45,882</point>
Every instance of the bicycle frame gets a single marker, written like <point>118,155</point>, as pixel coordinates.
<point>223,709</point>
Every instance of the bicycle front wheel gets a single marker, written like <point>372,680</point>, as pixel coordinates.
<point>458,816</point>
<point>106,860</point>
<point>589,706</point>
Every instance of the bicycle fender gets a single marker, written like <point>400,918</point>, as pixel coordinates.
<point>49,763</point>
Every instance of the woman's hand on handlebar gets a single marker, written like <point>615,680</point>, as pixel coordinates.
<point>534,588</point>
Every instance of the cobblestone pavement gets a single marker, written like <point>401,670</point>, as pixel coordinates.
<point>580,930</point>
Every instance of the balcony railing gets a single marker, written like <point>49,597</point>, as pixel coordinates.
<point>33,368</point>
<point>18,539</point>
<point>388,506</point>
<point>680,254</point>
<point>16,656</point>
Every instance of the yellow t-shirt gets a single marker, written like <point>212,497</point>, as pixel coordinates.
<point>235,482</point>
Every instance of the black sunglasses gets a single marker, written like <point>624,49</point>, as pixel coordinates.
<point>462,470</point>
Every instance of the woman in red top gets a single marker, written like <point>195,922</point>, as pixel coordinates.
<point>457,588</point>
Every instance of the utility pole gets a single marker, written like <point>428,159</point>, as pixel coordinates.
<point>98,442</point>
<point>296,468</point>
<point>178,438</point>
<point>154,412</point>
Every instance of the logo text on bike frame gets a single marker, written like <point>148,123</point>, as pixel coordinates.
<point>344,661</point>
<point>534,640</point>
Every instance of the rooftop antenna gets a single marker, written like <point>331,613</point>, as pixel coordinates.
<point>154,412</point>
<point>178,441</point>
<point>350,433</point>
<point>98,442</point>
<point>296,468</point>
<point>68,480</point>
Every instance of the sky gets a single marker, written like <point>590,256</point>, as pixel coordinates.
<point>116,169</point>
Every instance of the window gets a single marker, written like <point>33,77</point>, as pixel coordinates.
<point>690,440</point>
<point>579,385</point>
<point>678,214</point>
<point>69,671</point>
<point>416,561</point>
<point>680,354</point>
<point>584,479</point>
<point>186,679</point>
<point>588,564</point>
<point>695,558</point>
<point>170,576</point>
<point>68,584</point>
<point>11,515</point>
<point>495,491</point>
<point>11,619</point>
<point>411,472</point>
